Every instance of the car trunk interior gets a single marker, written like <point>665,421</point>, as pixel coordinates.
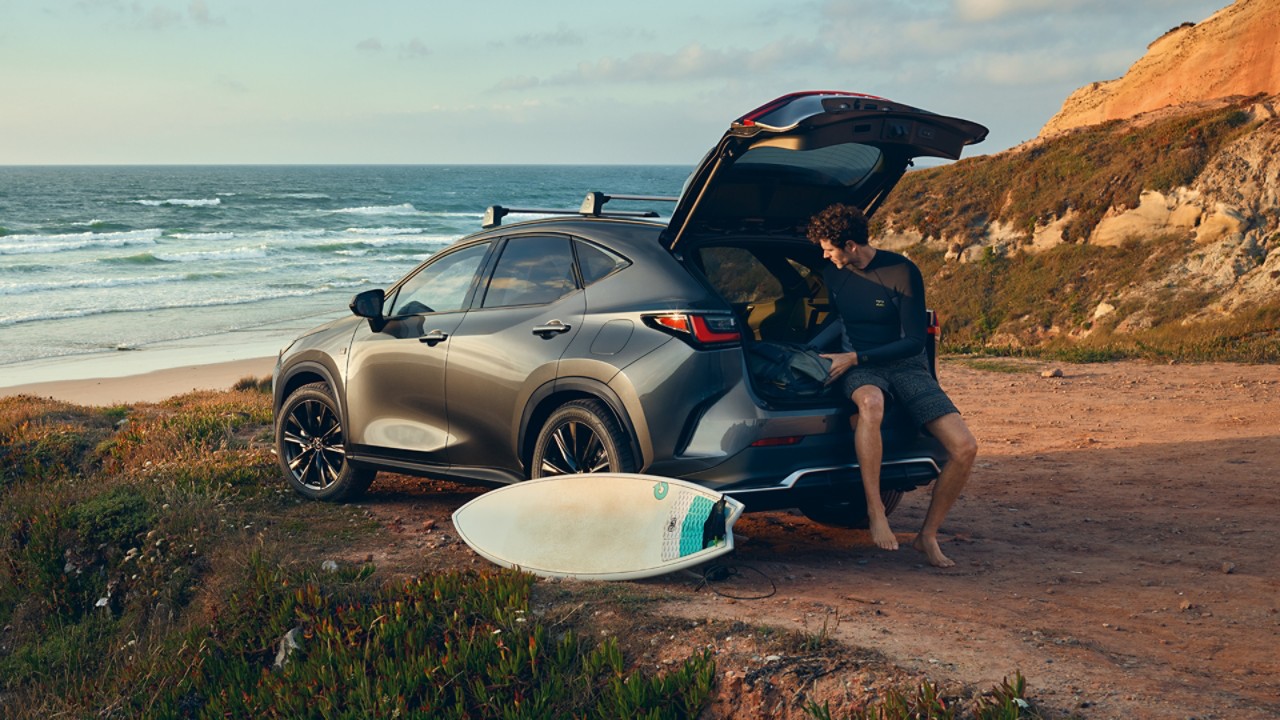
<point>774,287</point>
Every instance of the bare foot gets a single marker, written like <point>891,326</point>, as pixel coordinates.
<point>881,534</point>
<point>931,550</point>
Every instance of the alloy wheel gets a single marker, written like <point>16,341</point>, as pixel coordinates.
<point>574,447</point>
<point>313,444</point>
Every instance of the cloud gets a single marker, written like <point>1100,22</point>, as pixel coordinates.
<point>983,10</point>
<point>562,36</point>
<point>694,61</point>
<point>156,16</point>
<point>517,82</point>
<point>414,49</point>
<point>198,11</point>
<point>162,18</point>
<point>411,50</point>
<point>230,84</point>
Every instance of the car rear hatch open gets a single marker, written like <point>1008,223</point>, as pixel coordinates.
<point>786,160</point>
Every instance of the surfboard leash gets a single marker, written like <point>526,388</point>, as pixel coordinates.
<point>718,573</point>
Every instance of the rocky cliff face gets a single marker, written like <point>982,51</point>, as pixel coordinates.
<point>1236,51</point>
<point>1208,242</point>
<point>1226,222</point>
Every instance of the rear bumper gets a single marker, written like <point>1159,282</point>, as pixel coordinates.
<point>704,420</point>
<point>822,483</point>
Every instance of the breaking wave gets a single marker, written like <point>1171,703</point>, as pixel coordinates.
<point>35,244</point>
<point>181,202</point>
<point>401,209</point>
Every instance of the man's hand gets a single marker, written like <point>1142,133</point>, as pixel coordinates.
<point>840,362</point>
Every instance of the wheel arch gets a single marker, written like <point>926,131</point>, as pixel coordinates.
<point>552,395</point>
<point>305,373</point>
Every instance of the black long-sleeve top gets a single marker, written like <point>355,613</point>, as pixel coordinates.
<point>881,308</point>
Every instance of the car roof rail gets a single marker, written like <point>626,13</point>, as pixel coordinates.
<point>592,206</point>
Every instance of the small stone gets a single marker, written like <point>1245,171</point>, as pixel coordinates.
<point>1228,568</point>
<point>286,647</point>
<point>1185,605</point>
<point>329,566</point>
<point>1054,373</point>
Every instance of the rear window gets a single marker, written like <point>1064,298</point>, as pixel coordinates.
<point>847,165</point>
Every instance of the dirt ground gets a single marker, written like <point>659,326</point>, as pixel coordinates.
<point>1116,544</point>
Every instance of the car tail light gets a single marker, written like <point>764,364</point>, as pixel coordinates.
<point>931,325</point>
<point>699,330</point>
<point>775,441</point>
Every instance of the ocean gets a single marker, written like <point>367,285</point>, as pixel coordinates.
<point>179,265</point>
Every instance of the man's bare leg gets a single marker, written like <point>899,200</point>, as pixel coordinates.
<point>962,447</point>
<point>870,449</point>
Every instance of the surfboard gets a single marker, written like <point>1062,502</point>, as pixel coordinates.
<point>599,526</point>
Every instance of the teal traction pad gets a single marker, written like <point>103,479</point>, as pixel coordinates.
<point>691,535</point>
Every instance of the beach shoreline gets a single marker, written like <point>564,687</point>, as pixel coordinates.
<point>149,386</point>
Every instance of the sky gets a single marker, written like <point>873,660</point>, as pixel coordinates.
<point>531,81</point>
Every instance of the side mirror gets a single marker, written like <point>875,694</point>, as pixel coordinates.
<point>368,304</point>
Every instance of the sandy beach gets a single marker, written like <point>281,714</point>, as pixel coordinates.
<point>151,386</point>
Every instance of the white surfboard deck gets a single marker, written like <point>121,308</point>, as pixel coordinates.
<point>599,526</point>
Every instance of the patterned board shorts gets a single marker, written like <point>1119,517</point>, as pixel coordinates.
<point>907,381</point>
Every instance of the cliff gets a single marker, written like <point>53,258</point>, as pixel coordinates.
<point>1156,236</point>
<point>1233,52</point>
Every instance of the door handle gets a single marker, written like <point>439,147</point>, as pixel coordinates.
<point>553,327</point>
<point>434,337</point>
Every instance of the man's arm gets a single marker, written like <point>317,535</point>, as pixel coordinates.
<point>825,338</point>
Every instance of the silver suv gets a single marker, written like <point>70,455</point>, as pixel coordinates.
<point>595,341</point>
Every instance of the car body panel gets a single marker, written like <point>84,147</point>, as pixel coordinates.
<point>396,387</point>
<point>489,383</point>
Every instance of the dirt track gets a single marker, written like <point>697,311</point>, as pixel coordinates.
<point>1116,544</point>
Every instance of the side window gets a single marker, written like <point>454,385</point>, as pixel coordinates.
<point>532,271</point>
<point>596,262</point>
<point>739,276</point>
<point>442,285</point>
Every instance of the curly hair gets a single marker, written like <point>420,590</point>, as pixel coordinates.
<point>839,224</point>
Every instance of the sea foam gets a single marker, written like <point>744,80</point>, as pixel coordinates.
<point>401,209</point>
<point>34,244</point>
<point>181,202</point>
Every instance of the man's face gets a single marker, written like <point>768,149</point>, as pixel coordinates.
<point>839,255</point>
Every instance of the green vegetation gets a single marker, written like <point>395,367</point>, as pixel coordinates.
<point>142,574</point>
<point>926,702</point>
<point>1085,172</point>
<point>1042,304</point>
<point>152,564</point>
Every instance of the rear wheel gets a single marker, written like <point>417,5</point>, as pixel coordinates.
<point>311,447</point>
<point>581,436</point>
<point>848,510</point>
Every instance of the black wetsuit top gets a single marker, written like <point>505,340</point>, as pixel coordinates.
<point>882,308</point>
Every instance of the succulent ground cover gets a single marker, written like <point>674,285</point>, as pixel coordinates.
<point>153,565</point>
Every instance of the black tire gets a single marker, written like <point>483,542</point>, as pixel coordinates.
<point>849,510</point>
<point>311,447</point>
<point>581,436</point>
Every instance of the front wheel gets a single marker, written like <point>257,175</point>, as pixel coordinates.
<point>311,447</point>
<point>581,436</point>
<point>848,510</point>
